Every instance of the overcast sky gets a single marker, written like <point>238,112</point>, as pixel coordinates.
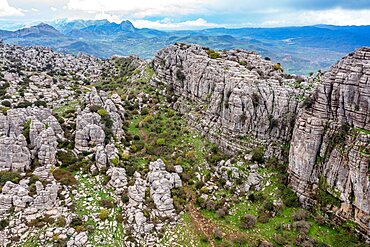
<point>189,14</point>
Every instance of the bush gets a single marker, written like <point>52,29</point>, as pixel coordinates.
<point>6,103</point>
<point>3,223</point>
<point>24,104</point>
<point>258,155</point>
<point>249,221</point>
<point>269,206</point>
<point>290,199</point>
<point>26,130</point>
<point>106,203</point>
<point>263,218</point>
<point>102,112</point>
<point>104,214</point>
<point>64,177</point>
<point>213,54</point>
<point>161,141</point>
<point>76,221</point>
<point>217,233</point>
<point>299,215</point>
<point>40,103</point>
<point>61,221</point>
<point>302,227</point>
<point>180,75</point>
<point>9,176</point>
<point>66,157</point>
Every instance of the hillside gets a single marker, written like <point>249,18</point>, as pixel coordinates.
<point>195,147</point>
<point>300,50</point>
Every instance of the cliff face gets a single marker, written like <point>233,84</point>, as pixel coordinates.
<point>330,151</point>
<point>239,101</point>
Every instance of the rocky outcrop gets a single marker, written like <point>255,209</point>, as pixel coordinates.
<point>161,182</point>
<point>14,154</point>
<point>330,147</point>
<point>42,130</point>
<point>118,179</point>
<point>238,100</point>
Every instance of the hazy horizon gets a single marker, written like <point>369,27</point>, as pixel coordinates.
<point>188,14</point>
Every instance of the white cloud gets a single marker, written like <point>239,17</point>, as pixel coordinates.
<point>168,24</point>
<point>7,10</point>
<point>337,16</point>
<point>35,10</point>
<point>141,8</point>
<point>53,9</point>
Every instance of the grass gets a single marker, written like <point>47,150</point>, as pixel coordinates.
<point>62,110</point>
<point>93,188</point>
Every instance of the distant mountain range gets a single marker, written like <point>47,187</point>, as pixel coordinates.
<point>299,49</point>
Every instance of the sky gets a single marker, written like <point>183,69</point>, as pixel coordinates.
<point>188,14</point>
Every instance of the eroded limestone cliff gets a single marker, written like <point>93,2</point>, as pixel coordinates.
<point>330,151</point>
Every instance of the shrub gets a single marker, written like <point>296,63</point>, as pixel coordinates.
<point>119,218</point>
<point>180,75</point>
<point>61,221</point>
<point>290,199</point>
<point>64,177</point>
<point>104,214</point>
<point>299,215</point>
<point>76,221</point>
<point>24,104</point>
<point>3,223</point>
<point>263,217</point>
<point>213,54</point>
<point>278,67</point>
<point>40,103</point>
<point>161,141</point>
<point>6,103</point>
<point>240,241</point>
<point>106,203</point>
<point>66,157</point>
<point>9,176</point>
<point>222,212</point>
<point>258,155</point>
<point>26,130</point>
<point>269,206</point>
<point>307,103</point>
<point>217,233</point>
<point>95,108</point>
<point>302,227</point>
<point>249,221</point>
<point>102,112</point>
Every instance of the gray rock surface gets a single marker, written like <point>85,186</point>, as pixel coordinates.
<point>161,182</point>
<point>237,101</point>
<point>331,140</point>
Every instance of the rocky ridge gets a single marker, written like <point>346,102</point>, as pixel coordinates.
<point>91,154</point>
<point>330,144</point>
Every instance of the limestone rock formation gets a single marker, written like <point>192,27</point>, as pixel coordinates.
<point>161,182</point>
<point>331,140</point>
<point>239,97</point>
<point>14,154</point>
<point>118,179</point>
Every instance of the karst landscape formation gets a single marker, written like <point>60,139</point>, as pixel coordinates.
<point>192,146</point>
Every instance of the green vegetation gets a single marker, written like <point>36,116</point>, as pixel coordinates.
<point>9,176</point>
<point>213,54</point>
<point>64,177</point>
<point>26,130</point>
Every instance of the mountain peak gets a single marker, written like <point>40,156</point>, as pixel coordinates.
<point>127,25</point>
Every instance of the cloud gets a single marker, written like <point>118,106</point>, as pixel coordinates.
<point>141,8</point>
<point>6,10</point>
<point>168,24</point>
<point>35,10</point>
<point>53,9</point>
<point>337,16</point>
